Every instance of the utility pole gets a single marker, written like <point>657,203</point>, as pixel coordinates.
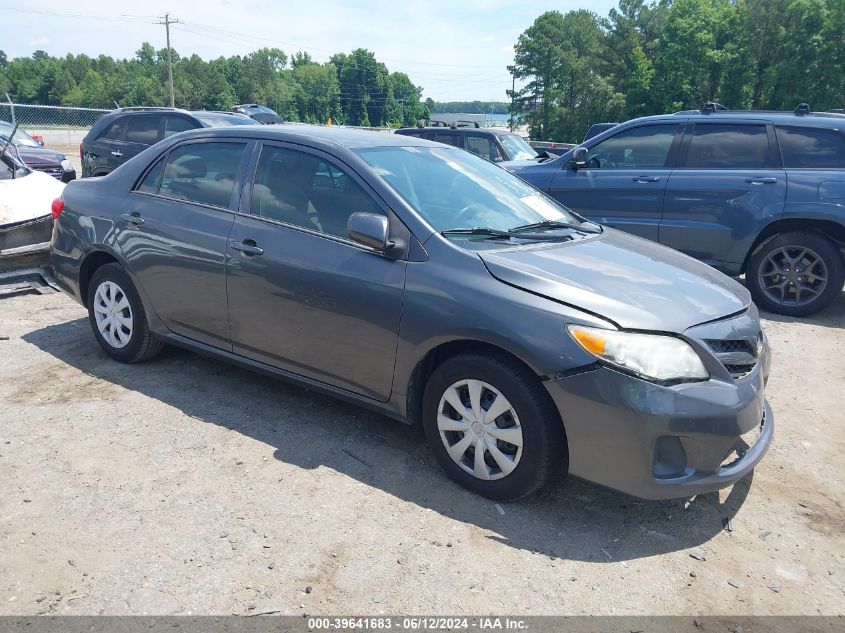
<point>513,92</point>
<point>167,22</point>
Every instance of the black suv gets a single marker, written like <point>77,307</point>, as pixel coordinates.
<point>123,133</point>
<point>496,145</point>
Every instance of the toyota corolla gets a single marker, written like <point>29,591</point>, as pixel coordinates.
<point>430,285</point>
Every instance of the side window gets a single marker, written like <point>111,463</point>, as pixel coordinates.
<point>484,146</point>
<point>728,146</point>
<point>143,129</point>
<point>645,147</point>
<point>811,147</point>
<point>446,137</point>
<point>202,172</point>
<point>152,179</point>
<point>175,124</point>
<point>301,189</point>
<point>115,131</point>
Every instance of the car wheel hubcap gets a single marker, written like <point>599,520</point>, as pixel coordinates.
<point>793,276</point>
<point>113,314</point>
<point>480,429</point>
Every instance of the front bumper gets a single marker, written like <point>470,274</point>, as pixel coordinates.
<point>659,442</point>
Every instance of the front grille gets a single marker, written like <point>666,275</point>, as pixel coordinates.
<point>739,356</point>
<point>56,172</point>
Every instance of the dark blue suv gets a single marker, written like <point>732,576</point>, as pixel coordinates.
<point>759,193</point>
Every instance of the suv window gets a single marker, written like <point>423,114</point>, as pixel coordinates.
<point>811,147</point>
<point>200,172</point>
<point>300,189</point>
<point>143,129</point>
<point>728,146</point>
<point>175,124</point>
<point>645,147</point>
<point>446,137</point>
<point>484,146</point>
<point>114,132</point>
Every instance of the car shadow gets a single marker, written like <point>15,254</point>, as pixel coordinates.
<point>569,520</point>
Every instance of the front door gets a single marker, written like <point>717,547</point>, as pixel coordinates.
<point>302,297</point>
<point>174,230</point>
<point>624,181</point>
<point>728,184</point>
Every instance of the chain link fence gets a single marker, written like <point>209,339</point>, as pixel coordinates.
<point>61,128</point>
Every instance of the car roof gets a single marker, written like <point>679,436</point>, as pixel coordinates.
<point>459,130</point>
<point>777,118</point>
<point>335,136</point>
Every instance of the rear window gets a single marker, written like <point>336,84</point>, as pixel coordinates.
<point>811,147</point>
<point>218,119</point>
<point>143,129</point>
<point>114,132</point>
<point>201,172</point>
<point>728,146</point>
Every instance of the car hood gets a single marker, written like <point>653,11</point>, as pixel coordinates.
<point>632,282</point>
<point>39,155</point>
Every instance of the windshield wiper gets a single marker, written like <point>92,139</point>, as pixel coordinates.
<point>491,233</point>
<point>555,224</point>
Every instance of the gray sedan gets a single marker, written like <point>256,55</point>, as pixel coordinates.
<point>430,285</point>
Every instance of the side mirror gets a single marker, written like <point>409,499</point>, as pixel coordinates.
<point>579,158</point>
<point>369,229</point>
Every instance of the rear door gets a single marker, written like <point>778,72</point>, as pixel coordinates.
<point>728,184</point>
<point>624,182</point>
<point>302,296</point>
<point>173,232</point>
<point>97,158</point>
<point>142,130</point>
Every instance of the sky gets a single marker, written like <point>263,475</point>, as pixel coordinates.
<point>457,51</point>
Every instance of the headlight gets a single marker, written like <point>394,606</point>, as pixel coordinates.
<point>67,165</point>
<point>654,356</point>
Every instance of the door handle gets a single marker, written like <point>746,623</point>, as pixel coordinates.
<point>646,178</point>
<point>133,218</point>
<point>117,153</point>
<point>761,181</point>
<point>247,247</point>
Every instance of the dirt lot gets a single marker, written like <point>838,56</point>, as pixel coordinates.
<point>185,485</point>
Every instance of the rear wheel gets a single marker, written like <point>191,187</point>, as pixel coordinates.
<point>796,274</point>
<point>492,427</point>
<point>117,316</point>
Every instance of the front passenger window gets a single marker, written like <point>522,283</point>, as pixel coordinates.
<point>645,147</point>
<point>301,189</point>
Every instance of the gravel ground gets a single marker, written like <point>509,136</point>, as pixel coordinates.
<point>186,485</point>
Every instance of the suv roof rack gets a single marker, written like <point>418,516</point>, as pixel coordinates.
<point>150,108</point>
<point>803,109</point>
<point>458,124</point>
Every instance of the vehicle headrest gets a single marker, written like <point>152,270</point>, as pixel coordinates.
<point>194,167</point>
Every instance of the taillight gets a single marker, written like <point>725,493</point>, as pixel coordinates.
<point>57,208</point>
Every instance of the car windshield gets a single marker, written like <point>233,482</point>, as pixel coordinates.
<point>21,137</point>
<point>215,119</point>
<point>517,147</point>
<point>454,189</point>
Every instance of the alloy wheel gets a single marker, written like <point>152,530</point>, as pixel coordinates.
<point>793,275</point>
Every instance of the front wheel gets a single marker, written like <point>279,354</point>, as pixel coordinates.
<point>796,274</point>
<point>492,426</point>
<point>117,316</point>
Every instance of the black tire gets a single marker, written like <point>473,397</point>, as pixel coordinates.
<point>544,450</point>
<point>828,253</point>
<point>142,344</point>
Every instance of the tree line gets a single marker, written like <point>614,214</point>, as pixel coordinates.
<point>652,57</point>
<point>352,89</point>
